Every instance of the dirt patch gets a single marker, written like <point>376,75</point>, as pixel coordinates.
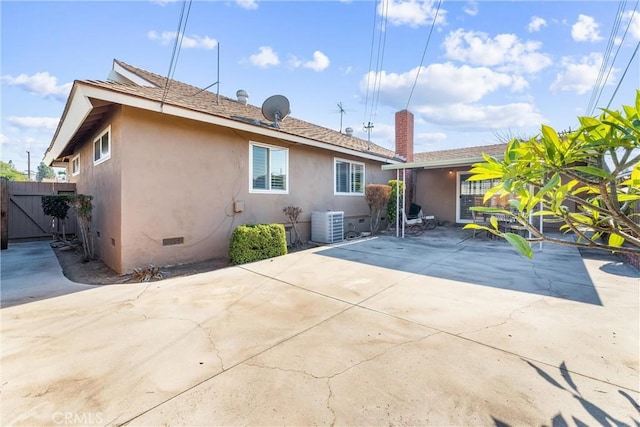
<point>96,272</point>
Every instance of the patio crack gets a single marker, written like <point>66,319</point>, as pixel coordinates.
<point>201,327</point>
<point>504,322</point>
<point>333,413</point>
<point>348,368</point>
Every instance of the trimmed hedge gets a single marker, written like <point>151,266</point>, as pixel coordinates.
<point>254,242</point>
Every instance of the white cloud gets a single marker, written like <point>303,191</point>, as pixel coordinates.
<point>634,27</point>
<point>247,4</point>
<point>413,13</point>
<point>452,96</point>
<point>428,141</point>
<point>266,58</point>
<point>536,24</point>
<point>585,30</point>
<point>440,84</point>
<point>188,42</point>
<point>579,76</point>
<point>42,84</point>
<point>319,62</point>
<point>15,149</point>
<point>504,50</point>
<point>471,8</point>
<point>30,122</point>
<point>483,117</point>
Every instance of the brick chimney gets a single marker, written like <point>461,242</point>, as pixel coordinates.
<point>404,134</point>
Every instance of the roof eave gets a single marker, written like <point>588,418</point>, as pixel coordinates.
<point>75,112</point>
<point>434,164</point>
<point>79,107</point>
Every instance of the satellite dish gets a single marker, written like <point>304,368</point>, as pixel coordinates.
<point>275,109</point>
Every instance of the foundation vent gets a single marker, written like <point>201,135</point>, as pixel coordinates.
<point>173,241</point>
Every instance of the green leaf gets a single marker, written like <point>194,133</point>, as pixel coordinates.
<point>615,240</point>
<point>553,182</point>
<point>591,170</point>
<point>474,226</point>
<point>491,192</point>
<point>489,209</point>
<point>520,244</point>
<point>494,222</point>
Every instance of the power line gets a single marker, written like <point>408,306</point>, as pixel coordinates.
<point>373,38</point>
<point>615,56</point>
<point>605,58</point>
<point>382,41</point>
<point>175,54</point>
<point>433,24</point>
<point>623,75</point>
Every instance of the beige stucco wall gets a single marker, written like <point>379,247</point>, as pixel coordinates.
<point>180,178</point>
<point>436,192</point>
<point>102,181</point>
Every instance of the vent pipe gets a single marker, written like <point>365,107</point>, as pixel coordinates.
<point>349,131</point>
<point>243,96</point>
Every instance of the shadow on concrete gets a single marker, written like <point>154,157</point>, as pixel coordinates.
<point>615,265</point>
<point>450,253</point>
<point>31,272</point>
<point>599,415</point>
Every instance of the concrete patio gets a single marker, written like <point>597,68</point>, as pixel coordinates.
<point>436,330</point>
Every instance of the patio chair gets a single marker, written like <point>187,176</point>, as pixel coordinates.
<point>478,218</point>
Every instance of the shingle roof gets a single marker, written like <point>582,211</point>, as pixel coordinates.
<point>495,150</point>
<point>193,98</point>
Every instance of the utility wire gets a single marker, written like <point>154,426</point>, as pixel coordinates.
<point>373,38</point>
<point>182,25</point>
<point>382,41</point>
<point>615,56</point>
<point>623,75</point>
<point>433,24</point>
<point>605,58</point>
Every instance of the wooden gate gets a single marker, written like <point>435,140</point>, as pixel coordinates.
<point>26,219</point>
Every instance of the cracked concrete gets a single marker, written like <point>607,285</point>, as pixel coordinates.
<point>431,331</point>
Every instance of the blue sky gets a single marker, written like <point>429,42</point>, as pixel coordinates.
<point>490,69</point>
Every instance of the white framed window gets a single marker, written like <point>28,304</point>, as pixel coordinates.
<point>102,146</point>
<point>75,165</point>
<point>348,177</point>
<point>268,168</point>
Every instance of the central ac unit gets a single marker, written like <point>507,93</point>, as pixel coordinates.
<point>327,227</point>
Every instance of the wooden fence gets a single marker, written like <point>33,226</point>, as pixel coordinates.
<point>25,219</point>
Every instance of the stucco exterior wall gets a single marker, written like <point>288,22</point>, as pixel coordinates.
<point>102,181</point>
<point>180,179</point>
<point>436,193</point>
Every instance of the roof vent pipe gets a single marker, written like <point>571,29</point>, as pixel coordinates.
<point>349,131</point>
<point>243,96</point>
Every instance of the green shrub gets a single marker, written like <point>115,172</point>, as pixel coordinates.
<point>396,187</point>
<point>56,205</point>
<point>254,242</point>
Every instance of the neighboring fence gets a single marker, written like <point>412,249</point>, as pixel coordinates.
<point>26,220</point>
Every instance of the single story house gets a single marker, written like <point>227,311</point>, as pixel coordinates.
<point>174,169</point>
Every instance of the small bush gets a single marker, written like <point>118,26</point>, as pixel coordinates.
<point>396,187</point>
<point>256,242</point>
